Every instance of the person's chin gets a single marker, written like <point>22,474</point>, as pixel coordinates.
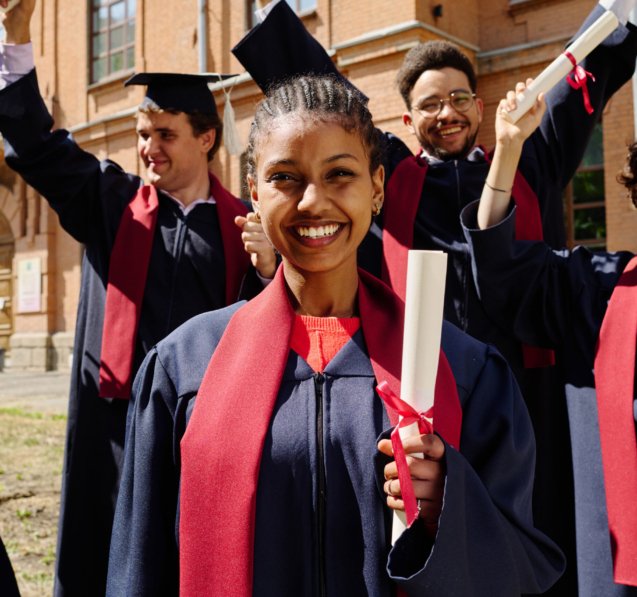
<point>444,154</point>
<point>451,152</point>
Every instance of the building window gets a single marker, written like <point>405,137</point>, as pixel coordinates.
<point>302,5</point>
<point>112,37</point>
<point>584,205</point>
<point>299,6</point>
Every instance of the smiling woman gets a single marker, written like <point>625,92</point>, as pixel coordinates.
<point>315,191</point>
<point>288,382</point>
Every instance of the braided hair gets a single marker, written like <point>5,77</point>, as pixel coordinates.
<point>322,97</point>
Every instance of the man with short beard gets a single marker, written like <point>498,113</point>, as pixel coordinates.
<point>425,194</point>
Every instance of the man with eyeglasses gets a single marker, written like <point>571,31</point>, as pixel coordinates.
<point>442,109</point>
<point>438,85</point>
<point>425,194</point>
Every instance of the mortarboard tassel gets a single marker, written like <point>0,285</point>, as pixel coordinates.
<point>231,138</point>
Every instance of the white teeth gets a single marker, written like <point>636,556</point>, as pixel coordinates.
<point>451,131</point>
<point>317,231</point>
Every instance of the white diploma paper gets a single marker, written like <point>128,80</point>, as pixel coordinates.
<point>622,8</point>
<point>561,66</point>
<point>424,305</point>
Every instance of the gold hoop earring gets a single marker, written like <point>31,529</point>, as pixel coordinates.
<point>376,209</point>
<point>257,215</point>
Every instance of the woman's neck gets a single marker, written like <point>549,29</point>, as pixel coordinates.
<point>323,294</point>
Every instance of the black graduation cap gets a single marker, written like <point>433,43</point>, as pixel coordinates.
<point>281,47</point>
<point>183,92</point>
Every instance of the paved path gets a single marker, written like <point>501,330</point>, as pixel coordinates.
<point>42,392</point>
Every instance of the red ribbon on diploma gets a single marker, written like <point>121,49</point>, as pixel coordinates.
<point>577,80</point>
<point>408,415</point>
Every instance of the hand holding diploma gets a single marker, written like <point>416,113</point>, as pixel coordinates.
<point>427,471</point>
<point>510,137</point>
<point>426,275</point>
<point>567,62</point>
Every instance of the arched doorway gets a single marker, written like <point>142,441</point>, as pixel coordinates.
<point>7,249</point>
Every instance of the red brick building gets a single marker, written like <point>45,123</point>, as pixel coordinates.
<point>85,50</point>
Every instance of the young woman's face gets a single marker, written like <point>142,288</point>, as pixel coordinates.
<point>314,191</point>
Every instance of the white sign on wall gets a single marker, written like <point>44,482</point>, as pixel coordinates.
<point>30,285</point>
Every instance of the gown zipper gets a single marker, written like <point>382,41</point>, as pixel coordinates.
<point>462,317</point>
<point>321,497</point>
<point>177,253</point>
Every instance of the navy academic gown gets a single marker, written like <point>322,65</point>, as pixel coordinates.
<point>558,299</point>
<point>185,277</point>
<point>486,544</point>
<point>8,584</point>
<point>549,160</point>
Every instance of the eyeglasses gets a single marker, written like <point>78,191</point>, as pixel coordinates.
<point>460,101</point>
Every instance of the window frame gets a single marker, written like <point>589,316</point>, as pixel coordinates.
<point>110,51</point>
<point>571,207</point>
<point>251,6</point>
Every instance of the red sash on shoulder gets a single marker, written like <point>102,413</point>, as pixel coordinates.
<point>127,274</point>
<point>615,387</point>
<point>404,190</point>
<point>402,197</point>
<point>221,449</point>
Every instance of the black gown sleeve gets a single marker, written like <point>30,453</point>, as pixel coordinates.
<point>88,195</point>
<point>547,298</point>
<point>144,558</point>
<point>486,543</point>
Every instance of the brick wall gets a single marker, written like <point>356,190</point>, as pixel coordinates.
<point>369,41</point>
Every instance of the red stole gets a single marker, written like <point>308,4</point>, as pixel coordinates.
<point>615,386</point>
<point>127,274</point>
<point>403,194</point>
<point>221,449</point>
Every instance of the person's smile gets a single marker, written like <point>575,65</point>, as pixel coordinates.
<point>317,235</point>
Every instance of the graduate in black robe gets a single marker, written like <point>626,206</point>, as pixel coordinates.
<point>194,258</point>
<point>252,466</point>
<point>556,299</point>
<point>456,170</point>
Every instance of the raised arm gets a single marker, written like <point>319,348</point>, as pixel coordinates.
<point>496,194</point>
<point>87,194</point>
<point>17,21</point>
<point>544,297</point>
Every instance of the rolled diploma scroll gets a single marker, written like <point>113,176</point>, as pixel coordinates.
<point>561,66</point>
<point>11,4</point>
<point>424,304</point>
